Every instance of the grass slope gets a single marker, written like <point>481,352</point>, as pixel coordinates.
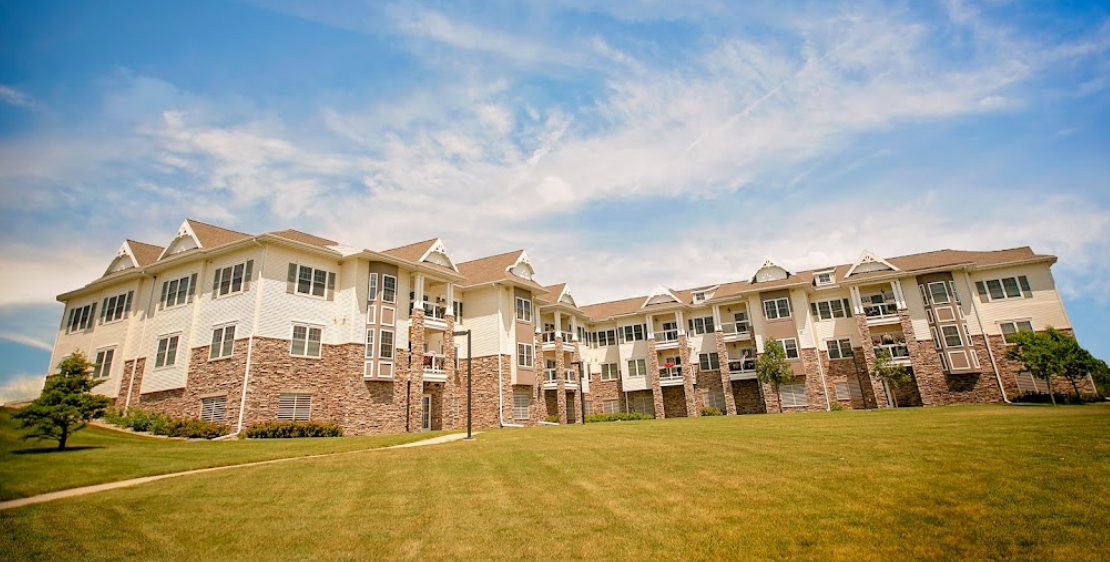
<point>95,455</point>
<point>988,482</point>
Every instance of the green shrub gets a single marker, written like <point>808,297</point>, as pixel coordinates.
<point>619,416</point>
<point>161,424</point>
<point>836,407</point>
<point>552,419</point>
<point>711,411</point>
<point>284,430</point>
<point>1044,398</point>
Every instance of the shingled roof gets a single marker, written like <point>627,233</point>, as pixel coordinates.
<point>211,236</point>
<point>412,252</point>
<point>495,268</point>
<point>146,254</point>
<point>304,238</point>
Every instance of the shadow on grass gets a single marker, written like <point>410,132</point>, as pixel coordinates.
<point>45,450</point>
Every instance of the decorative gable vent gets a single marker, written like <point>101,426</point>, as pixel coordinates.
<point>770,271</point>
<point>661,295</point>
<point>437,254</point>
<point>185,240</point>
<point>522,267</point>
<point>869,262</point>
<point>125,259</point>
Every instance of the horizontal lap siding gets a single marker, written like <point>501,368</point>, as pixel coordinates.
<point>1045,308</point>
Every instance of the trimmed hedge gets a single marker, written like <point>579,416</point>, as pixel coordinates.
<point>286,430</point>
<point>551,419</point>
<point>1044,398</point>
<point>620,416</point>
<point>711,411</point>
<point>161,424</point>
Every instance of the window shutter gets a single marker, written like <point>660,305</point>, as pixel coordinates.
<point>248,272</point>
<point>1024,282</point>
<point>127,303</point>
<point>162,301</point>
<point>192,287</point>
<point>813,306</point>
<point>982,288</point>
<point>291,279</point>
<point>847,308</point>
<point>331,286</point>
<point>103,310</point>
<point>92,314</point>
<point>216,282</point>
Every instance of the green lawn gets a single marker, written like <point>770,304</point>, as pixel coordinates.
<point>96,455</point>
<point>966,483</point>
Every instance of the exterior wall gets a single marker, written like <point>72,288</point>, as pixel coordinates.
<point>746,394</point>
<point>674,402</point>
<point>1044,309</point>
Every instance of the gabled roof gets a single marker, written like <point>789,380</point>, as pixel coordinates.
<point>412,252</point>
<point>661,295</point>
<point>497,268</point>
<point>424,253</point>
<point>132,254</point>
<point>193,234</point>
<point>304,238</point>
<point>145,253</point>
<point>868,262</point>
<point>767,272</point>
<point>606,310</point>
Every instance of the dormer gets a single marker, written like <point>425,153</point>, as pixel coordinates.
<point>869,262</point>
<point>824,278</point>
<point>661,295</point>
<point>437,254</point>
<point>184,241</point>
<point>522,267</point>
<point>770,271</point>
<point>703,294</point>
<point>125,259</point>
<point>566,297</point>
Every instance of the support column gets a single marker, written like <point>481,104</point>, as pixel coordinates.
<point>867,350</point>
<point>539,397</point>
<point>653,374</point>
<point>560,378</point>
<point>452,386</point>
<point>416,368</point>
<point>689,372</point>
<point>726,378</point>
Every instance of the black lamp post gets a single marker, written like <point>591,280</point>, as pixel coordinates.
<point>469,392</point>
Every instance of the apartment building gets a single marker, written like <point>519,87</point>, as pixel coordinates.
<point>240,329</point>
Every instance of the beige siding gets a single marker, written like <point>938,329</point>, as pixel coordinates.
<point>481,318</point>
<point>1044,309</point>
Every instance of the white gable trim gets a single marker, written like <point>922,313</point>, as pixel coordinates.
<point>185,239</point>
<point>125,259</point>
<point>565,297</point>
<point>769,271</point>
<point>522,267</point>
<point>660,295</point>
<point>867,262</point>
<point>437,254</point>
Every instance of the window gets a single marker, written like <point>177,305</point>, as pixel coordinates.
<point>103,366</point>
<point>1011,328</point>
<point>306,341</point>
<point>840,349</point>
<point>606,337</point>
<point>611,407</point>
<point>842,391</point>
<point>80,319</point>
<point>115,307</point>
<point>1005,288</point>
<point>389,288</point>
<point>793,395</point>
<point>369,343</point>
<point>924,295</point>
<point>167,352</point>
<point>776,308</point>
<point>583,335</point>
<point>709,361</point>
<point>385,346</point>
<point>610,372</point>
<point>955,295</point>
<point>823,278</point>
<point>827,310</point>
<point>938,292</point>
<point>521,402</point>
<point>1026,382</point>
<point>311,281</point>
<point>232,279</point>
<point>951,336</point>
<point>637,367</point>
<point>632,333</point>
<point>702,326</point>
<point>791,347</point>
<point>643,403</point>
<point>223,342</point>
<point>742,324</point>
<point>523,309</point>
<point>715,399</point>
<point>524,354</point>
<point>212,409</point>
<point>177,292</point>
<point>294,407</point>
<point>457,307</point>
<point>943,361</point>
<point>936,338</point>
<point>699,296</point>
<point>372,288</point>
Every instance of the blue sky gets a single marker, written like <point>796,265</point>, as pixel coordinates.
<point>624,144</point>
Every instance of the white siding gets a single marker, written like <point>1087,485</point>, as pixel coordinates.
<point>178,320</point>
<point>1044,309</point>
<point>281,309</point>
<point>799,301</point>
<point>916,308</point>
<point>836,328</point>
<point>481,319</point>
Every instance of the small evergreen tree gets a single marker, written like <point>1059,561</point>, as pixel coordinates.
<point>890,373</point>
<point>1053,352</point>
<point>65,406</point>
<point>772,368</point>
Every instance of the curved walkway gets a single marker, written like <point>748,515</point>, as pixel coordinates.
<point>72,492</point>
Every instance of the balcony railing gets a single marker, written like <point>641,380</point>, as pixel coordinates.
<point>742,365</point>
<point>434,311</point>
<point>570,375</point>
<point>666,336</point>
<point>739,328</point>
<point>897,350</point>
<point>670,373</point>
<point>434,363</point>
<point>549,376</point>
<point>549,337</point>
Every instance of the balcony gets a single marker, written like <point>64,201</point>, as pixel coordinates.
<point>435,367</point>
<point>547,339</point>
<point>670,376</point>
<point>899,352</point>
<point>741,368</point>
<point>666,339</point>
<point>880,309</point>
<point>435,315</point>
<point>737,331</point>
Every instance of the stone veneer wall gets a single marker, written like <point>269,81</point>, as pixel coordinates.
<point>747,398</point>
<point>126,385</point>
<point>602,391</point>
<point>865,354</point>
<point>1008,370</point>
<point>815,390</point>
<point>708,382</point>
<point>726,381</point>
<point>674,401</point>
<point>844,371</point>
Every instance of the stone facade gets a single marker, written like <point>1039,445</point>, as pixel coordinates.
<point>689,374</point>
<point>746,396</point>
<point>653,379</point>
<point>674,402</point>
<point>815,389</point>
<point>865,356</point>
<point>726,381</point>
<point>846,371</point>
<point>1009,369</point>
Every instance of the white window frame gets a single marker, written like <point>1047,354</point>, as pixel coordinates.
<point>772,308</point>
<point>115,308</point>
<point>213,408</point>
<point>826,310</point>
<point>178,296</point>
<point>222,346</point>
<point>371,341</point>
<point>164,357</point>
<point>789,394</point>
<point>313,281</point>
<point>1005,292</point>
<point>944,291</point>
<point>633,333</point>
<point>229,279</point>
<point>794,345</point>
<point>936,337</point>
<point>102,367</point>
<point>372,287</point>
<point>843,391</point>
<point>307,340</point>
<point>702,325</point>
<point>610,371</point>
<point>522,405</point>
<point>81,318</point>
<point>386,348</point>
<point>525,355</point>
<point>523,309</point>
<point>371,313</point>
<point>947,337</point>
<point>389,288</point>
<point>820,282</point>
<point>637,367</point>
<point>838,345</point>
<point>606,337</point>
<point>1016,326</point>
<point>706,361</point>
<point>294,407</point>
<point>368,369</point>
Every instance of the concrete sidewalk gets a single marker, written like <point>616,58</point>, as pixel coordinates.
<point>72,492</point>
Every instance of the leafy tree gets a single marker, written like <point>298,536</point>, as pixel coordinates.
<point>772,368</point>
<point>1054,353</point>
<point>1101,373</point>
<point>890,373</point>
<point>65,405</point>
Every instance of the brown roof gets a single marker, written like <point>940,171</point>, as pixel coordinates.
<point>601,311</point>
<point>495,268</point>
<point>553,292</point>
<point>305,238</point>
<point>211,236</point>
<point>145,254</point>
<point>412,252</point>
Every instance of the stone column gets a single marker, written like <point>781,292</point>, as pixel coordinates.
<point>930,382</point>
<point>689,371</point>
<point>653,378</point>
<point>770,398</point>
<point>576,359</point>
<point>867,349</point>
<point>726,379</point>
<point>454,378</point>
<point>416,368</point>
<point>560,379</point>
<point>539,397</point>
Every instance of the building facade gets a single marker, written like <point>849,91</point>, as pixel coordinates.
<point>240,329</point>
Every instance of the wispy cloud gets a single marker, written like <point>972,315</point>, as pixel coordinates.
<point>12,96</point>
<point>20,387</point>
<point>26,340</point>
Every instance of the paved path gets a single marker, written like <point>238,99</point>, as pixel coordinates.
<point>11,504</point>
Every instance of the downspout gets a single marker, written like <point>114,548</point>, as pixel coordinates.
<point>500,370</point>
<point>817,351</point>
<point>142,338</point>
<point>986,339</point>
<point>250,342</point>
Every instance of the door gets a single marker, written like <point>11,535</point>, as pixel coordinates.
<point>426,414</point>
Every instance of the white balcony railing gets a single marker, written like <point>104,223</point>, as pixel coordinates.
<point>741,365</point>
<point>666,336</point>
<point>433,311</point>
<point>570,375</point>
<point>670,373</point>
<point>434,363</point>
<point>549,376</point>
<point>549,337</point>
<point>897,350</point>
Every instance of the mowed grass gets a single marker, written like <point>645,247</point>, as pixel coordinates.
<point>95,455</point>
<point>966,483</point>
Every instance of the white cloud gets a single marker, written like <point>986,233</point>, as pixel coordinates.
<point>18,388</point>
<point>27,340</point>
<point>18,98</point>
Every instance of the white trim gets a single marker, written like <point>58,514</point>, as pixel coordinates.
<point>832,277</point>
<point>393,312</point>
<point>307,337</point>
<point>869,257</point>
<point>368,370</point>
<point>371,314</point>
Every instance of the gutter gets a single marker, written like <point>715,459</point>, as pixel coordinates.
<point>250,342</point>
<point>500,369</point>
<point>986,338</point>
<point>142,337</point>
